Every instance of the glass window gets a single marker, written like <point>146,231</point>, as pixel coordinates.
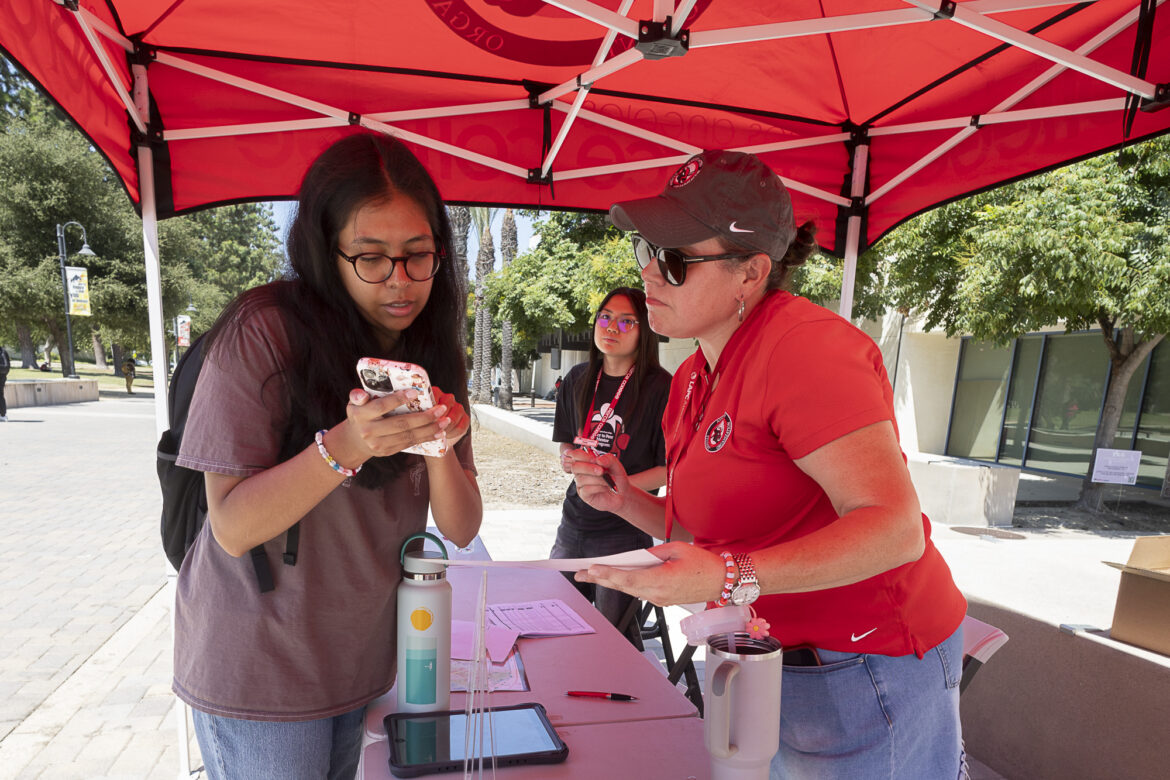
<point>1019,403</point>
<point>1068,404</point>
<point>979,400</point>
<point>1153,437</point>
<point>1129,408</point>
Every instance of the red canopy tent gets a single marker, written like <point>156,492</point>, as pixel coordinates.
<point>871,110</point>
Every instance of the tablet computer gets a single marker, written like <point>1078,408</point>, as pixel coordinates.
<point>423,743</point>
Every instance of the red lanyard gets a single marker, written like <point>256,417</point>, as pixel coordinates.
<point>612,404</point>
<point>683,446</point>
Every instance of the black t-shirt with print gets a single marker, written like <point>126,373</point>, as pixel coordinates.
<point>634,435</point>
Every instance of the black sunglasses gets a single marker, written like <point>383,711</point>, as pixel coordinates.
<point>672,264</point>
<point>376,268</point>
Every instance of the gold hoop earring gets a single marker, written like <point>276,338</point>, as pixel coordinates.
<point>741,309</point>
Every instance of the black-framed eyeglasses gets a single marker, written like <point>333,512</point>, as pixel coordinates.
<point>375,268</point>
<point>624,324</point>
<point>672,264</point>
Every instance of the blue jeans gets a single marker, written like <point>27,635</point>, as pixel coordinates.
<point>571,543</point>
<point>235,749</point>
<point>865,717</point>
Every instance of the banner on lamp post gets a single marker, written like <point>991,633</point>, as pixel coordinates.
<point>78,282</point>
<point>183,333</point>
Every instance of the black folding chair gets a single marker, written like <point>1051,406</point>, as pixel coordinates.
<point>637,617</point>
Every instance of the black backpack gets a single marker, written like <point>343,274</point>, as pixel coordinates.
<point>184,498</point>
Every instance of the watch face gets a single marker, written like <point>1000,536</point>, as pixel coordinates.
<point>745,594</point>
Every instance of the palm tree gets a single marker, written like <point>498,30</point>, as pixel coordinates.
<point>460,217</point>
<point>481,353</point>
<point>508,246</point>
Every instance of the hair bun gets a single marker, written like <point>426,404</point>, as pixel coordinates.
<point>802,246</point>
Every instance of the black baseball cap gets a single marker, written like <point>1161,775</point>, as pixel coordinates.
<point>732,195</point>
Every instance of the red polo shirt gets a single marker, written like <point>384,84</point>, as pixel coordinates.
<point>793,378</point>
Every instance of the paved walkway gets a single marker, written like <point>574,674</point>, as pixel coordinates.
<point>85,660</point>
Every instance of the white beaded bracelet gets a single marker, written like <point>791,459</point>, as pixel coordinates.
<point>320,439</point>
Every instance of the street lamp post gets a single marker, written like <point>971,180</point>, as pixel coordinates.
<point>67,366</point>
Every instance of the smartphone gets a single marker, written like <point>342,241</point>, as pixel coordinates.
<point>383,377</point>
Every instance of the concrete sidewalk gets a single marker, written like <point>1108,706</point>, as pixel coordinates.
<point>84,608</point>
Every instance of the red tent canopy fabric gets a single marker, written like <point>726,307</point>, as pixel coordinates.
<point>875,109</point>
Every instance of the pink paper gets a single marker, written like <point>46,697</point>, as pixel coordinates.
<point>499,641</point>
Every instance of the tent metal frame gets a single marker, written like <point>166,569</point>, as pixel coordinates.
<point>974,15</point>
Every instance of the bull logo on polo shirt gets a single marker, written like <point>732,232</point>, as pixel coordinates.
<point>718,433</point>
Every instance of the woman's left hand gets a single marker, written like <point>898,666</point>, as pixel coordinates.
<point>455,422</point>
<point>688,574</point>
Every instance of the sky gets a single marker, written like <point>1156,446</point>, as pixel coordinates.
<point>283,210</point>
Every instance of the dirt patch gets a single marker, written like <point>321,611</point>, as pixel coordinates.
<point>1131,516</point>
<point>513,475</point>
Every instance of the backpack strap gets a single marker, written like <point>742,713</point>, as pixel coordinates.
<point>292,541</point>
<point>263,570</point>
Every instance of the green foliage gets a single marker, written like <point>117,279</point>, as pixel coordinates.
<point>820,279</point>
<point>1085,245</point>
<point>560,282</point>
<point>49,176</point>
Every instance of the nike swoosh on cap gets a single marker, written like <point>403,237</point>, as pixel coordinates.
<point>735,229</point>
<point>856,638</point>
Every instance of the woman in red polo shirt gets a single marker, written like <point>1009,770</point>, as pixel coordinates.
<point>783,456</point>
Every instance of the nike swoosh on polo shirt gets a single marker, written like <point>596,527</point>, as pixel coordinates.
<point>856,638</point>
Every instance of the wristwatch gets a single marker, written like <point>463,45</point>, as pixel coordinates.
<point>747,589</point>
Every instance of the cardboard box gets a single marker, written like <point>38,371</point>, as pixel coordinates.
<point>1142,614</point>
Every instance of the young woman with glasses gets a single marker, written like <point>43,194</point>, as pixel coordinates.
<point>787,490</point>
<point>279,680</point>
<point>612,404</point>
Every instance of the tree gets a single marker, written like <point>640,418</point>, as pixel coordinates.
<point>508,246</point>
<point>460,218</point>
<point>49,175</point>
<point>1084,245</point>
<point>481,355</point>
<point>558,284</point>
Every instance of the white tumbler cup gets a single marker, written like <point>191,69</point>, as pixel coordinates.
<point>742,696</point>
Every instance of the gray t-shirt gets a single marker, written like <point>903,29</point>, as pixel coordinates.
<point>322,643</point>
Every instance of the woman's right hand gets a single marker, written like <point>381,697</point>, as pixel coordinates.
<point>602,481</point>
<point>369,432</point>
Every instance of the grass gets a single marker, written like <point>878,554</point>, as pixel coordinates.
<point>107,378</point>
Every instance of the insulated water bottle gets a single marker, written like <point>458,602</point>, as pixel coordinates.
<point>424,630</point>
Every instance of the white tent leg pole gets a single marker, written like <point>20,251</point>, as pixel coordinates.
<point>158,342</point>
<point>853,229</point>
<point>849,278</point>
<point>158,351</point>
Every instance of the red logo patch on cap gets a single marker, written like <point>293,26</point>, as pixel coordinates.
<point>718,434</point>
<point>683,176</point>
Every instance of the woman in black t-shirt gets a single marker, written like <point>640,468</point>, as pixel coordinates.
<point>612,404</point>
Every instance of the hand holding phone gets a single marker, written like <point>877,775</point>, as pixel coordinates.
<point>383,377</point>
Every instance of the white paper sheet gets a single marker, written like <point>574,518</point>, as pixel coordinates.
<point>635,559</point>
<point>550,617</point>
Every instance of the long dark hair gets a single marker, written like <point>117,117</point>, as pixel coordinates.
<point>645,359</point>
<point>327,334</point>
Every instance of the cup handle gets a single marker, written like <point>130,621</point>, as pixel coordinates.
<point>718,719</point>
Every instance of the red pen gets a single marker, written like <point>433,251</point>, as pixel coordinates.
<point>603,695</point>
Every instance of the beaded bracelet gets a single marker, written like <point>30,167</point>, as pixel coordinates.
<point>729,579</point>
<point>320,439</point>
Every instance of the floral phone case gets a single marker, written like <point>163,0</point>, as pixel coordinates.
<point>382,377</point>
